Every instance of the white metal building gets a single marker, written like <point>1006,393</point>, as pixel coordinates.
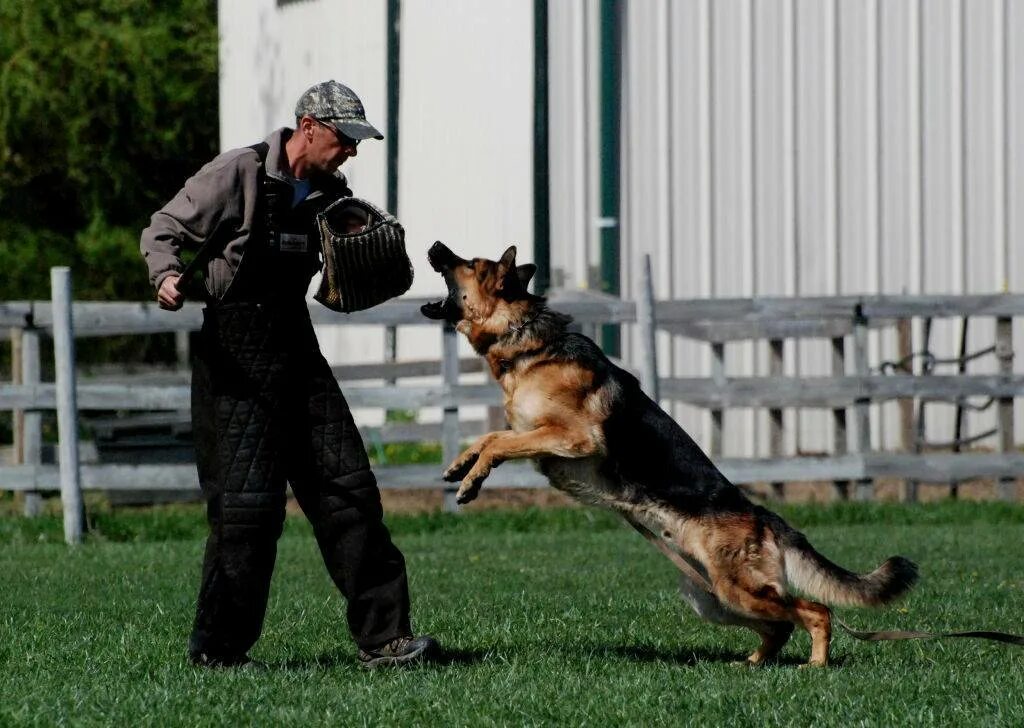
<point>767,147</point>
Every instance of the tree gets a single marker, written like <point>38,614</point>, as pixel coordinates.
<point>108,105</point>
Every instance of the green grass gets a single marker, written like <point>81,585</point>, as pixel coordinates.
<point>549,617</point>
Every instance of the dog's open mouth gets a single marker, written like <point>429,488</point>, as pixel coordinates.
<point>442,260</point>
<point>434,309</point>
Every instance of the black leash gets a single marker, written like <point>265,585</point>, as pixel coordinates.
<point>867,636</point>
<point>910,634</point>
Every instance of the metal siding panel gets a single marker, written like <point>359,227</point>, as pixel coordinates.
<point>772,158</point>
<point>829,145</point>
<point>981,172</point>
<point>569,142</point>
<point>816,94</point>
<point>466,173</point>
<point>983,177</point>
<point>816,126</point>
<point>940,115</point>
<point>689,259</point>
<point>942,193</point>
<point>1014,170</point>
<point>857,139</point>
<point>730,119</point>
<point>899,173</point>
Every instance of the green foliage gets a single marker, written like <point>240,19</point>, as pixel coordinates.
<point>403,453</point>
<point>108,105</point>
<point>26,254</point>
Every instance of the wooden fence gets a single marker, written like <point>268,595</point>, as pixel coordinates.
<point>843,320</point>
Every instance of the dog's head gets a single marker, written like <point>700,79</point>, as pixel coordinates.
<point>488,293</point>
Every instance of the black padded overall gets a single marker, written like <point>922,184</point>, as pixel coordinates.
<point>266,409</point>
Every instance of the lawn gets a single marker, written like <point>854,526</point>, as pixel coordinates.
<point>559,616</point>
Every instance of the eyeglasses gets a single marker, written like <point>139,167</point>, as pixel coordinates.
<point>343,139</point>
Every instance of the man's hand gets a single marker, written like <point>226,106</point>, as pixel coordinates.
<point>169,297</point>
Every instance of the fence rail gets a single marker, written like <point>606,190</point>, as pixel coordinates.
<point>843,320</point>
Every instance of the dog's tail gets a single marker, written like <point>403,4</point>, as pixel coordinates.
<point>819,578</point>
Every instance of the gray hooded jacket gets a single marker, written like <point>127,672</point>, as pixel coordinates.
<point>218,203</point>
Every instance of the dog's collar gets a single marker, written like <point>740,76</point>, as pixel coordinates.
<point>507,365</point>
<point>522,325</point>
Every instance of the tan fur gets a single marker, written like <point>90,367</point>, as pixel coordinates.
<point>556,411</point>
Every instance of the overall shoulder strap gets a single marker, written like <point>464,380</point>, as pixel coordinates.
<point>202,256</point>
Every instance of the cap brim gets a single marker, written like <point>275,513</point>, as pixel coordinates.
<point>357,129</point>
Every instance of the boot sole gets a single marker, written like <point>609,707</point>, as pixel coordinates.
<point>393,660</point>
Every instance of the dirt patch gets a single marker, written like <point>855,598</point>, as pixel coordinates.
<point>420,501</point>
<point>429,500</point>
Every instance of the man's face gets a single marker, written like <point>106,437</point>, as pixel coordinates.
<point>328,148</point>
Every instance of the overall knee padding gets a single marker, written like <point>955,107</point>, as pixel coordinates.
<point>252,516</point>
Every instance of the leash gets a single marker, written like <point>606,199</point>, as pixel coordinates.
<point>898,634</point>
<point>864,635</point>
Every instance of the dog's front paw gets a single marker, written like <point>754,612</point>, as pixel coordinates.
<point>460,466</point>
<point>470,487</point>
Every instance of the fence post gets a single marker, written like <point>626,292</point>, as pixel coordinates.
<point>17,416</point>
<point>67,405</point>
<point>182,349</point>
<point>390,357</point>
<point>32,420</point>
<point>450,416</point>
<point>775,369</point>
<point>390,349</point>
<point>1006,489</point>
<point>647,329</point>
<point>865,488</point>
<point>840,444</point>
<point>904,354</point>
<point>717,415</point>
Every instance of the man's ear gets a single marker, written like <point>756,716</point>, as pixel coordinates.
<point>525,272</point>
<point>304,125</point>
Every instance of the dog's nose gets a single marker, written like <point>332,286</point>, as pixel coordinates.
<point>440,256</point>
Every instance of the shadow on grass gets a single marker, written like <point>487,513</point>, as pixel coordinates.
<point>444,657</point>
<point>686,657</point>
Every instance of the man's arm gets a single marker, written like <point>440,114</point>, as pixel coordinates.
<point>168,295</point>
<point>209,200</point>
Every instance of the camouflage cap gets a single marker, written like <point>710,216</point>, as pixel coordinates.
<point>337,104</point>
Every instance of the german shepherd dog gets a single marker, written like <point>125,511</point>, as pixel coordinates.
<point>597,436</point>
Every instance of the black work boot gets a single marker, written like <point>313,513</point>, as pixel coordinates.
<point>399,651</point>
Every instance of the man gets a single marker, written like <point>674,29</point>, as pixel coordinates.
<point>265,405</point>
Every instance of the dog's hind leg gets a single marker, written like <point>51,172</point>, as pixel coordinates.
<point>817,620</point>
<point>698,593</point>
<point>768,604</point>
<point>774,636</point>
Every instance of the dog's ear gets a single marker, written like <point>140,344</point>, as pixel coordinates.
<point>525,272</point>
<point>508,259</point>
<point>507,268</point>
